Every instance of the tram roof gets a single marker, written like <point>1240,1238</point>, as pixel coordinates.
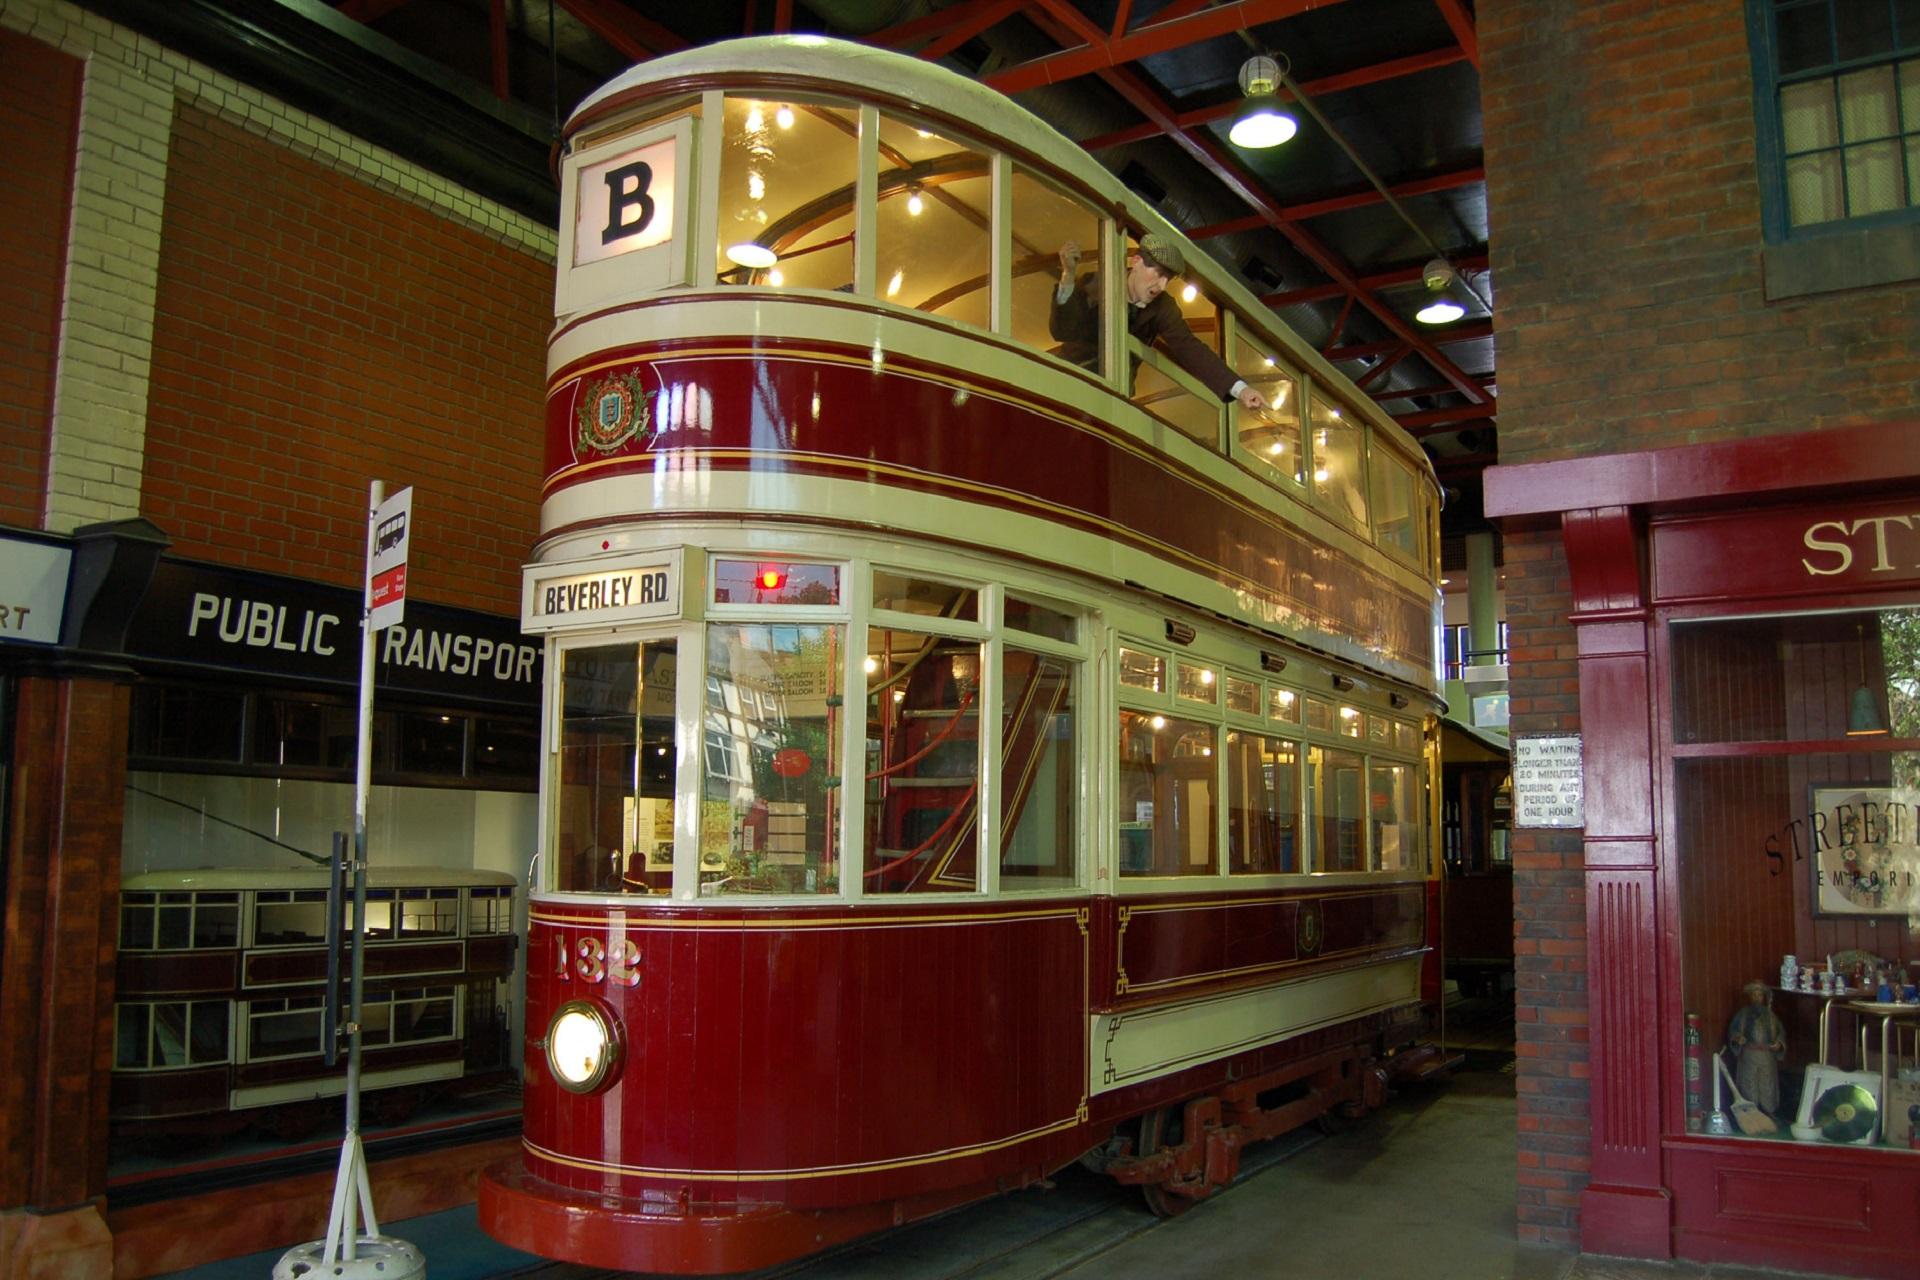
<point>823,65</point>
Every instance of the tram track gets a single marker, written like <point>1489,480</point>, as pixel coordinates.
<point>1038,1233</point>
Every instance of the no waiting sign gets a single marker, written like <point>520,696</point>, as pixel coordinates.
<point>387,566</point>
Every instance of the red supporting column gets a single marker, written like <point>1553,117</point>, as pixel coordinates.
<point>1625,1209</point>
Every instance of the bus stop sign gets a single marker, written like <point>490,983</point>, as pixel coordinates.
<point>387,565</point>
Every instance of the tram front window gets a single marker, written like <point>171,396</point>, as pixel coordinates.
<point>613,810</point>
<point>770,734</point>
<point>787,174</point>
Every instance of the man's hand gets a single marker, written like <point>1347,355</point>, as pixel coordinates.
<point>1251,399</point>
<point>1069,260</point>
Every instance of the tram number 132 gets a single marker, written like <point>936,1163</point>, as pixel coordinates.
<point>590,960</point>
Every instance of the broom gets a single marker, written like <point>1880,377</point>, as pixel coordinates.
<point>1750,1118</point>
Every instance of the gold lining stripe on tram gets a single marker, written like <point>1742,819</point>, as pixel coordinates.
<point>818,1171</point>
<point>1218,975</point>
<point>834,922</point>
<point>1335,895</point>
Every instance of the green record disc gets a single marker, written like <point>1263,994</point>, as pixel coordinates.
<point>1845,1113</point>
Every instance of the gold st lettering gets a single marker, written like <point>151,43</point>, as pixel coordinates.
<point>1840,549</point>
<point>1879,523</point>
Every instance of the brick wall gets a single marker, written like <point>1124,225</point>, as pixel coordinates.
<point>1625,208</point>
<point>39,113</point>
<point>312,333</point>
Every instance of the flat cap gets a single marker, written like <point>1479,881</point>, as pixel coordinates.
<point>1162,253</point>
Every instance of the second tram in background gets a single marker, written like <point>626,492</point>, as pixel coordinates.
<point>960,759</point>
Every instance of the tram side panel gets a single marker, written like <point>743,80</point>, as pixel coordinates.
<point>815,1061</point>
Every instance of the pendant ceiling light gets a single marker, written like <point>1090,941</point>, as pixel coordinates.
<point>1863,709</point>
<point>1439,277</point>
<point>1260,122</point>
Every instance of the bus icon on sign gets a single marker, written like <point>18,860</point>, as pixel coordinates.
<point>390,532</point>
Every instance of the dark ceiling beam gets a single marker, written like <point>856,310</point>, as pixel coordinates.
<point>369,10</point>
<point>1442,417</point>
<point>1448,181</point>
<point>1371,74</point>
<point>937,23</point>
<point>1378,280</point>
<point>979,17</point>
<point>1460,22</point>
<point>497,49</point>
<point>1434,337</point>
<point>1385,394</point>
<point>1465,466</point>
<point>632,35</point>
<point>1156,37</point>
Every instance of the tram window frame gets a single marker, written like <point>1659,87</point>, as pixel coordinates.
<point>144,1012</point>
<point>156,906</point>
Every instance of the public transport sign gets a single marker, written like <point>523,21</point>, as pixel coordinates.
<point>387,566</point>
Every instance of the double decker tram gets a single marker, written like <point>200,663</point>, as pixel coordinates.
<point>963,754</point>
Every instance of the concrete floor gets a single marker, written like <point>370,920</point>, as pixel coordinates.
<point>1422,1188</point>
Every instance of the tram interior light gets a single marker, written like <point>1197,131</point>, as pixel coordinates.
<point>751,254</point>
<point>1260,123</point>
<point>916,204</point>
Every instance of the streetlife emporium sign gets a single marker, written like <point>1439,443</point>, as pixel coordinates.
<point>1787,551</point>
<point>273,628</point>
<point>1862,846</point>
<point>1548,782</point>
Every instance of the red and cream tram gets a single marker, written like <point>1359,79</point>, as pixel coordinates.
<point>958,761</point>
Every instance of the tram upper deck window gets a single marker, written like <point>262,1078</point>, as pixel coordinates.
<point>770,734</point>
<point>1268,437</point>
<point>612,784</point>
<point>928,597</point>
<point>787,180</point>
<point>1044,219</point>
<point>1339,486</point>
<point>1170,393</point>
<point>775,582</point>
<point>934,224</point>
<point>1396,516</point>
<point>923,762</point>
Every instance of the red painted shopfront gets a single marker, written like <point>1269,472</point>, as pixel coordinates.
<point>1747,616</point>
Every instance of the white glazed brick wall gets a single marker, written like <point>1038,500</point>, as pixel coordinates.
<point>131,88</point>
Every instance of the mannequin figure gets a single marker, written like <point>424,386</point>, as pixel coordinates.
<point>1758,1042</point>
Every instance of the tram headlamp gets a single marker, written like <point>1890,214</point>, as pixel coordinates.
<point>584,1047</point>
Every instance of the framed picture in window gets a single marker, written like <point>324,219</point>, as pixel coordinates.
<point>1865,858</point>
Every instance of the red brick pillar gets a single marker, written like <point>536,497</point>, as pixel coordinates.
<point>56,972</point>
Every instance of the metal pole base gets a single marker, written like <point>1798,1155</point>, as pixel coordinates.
<point>375,1256</point>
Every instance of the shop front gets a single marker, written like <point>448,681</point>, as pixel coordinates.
<point>1747,618</point>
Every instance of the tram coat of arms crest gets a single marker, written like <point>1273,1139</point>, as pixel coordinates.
<point>614,410</point>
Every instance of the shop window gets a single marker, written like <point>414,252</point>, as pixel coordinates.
<point>1339,487</point>
<point>1796,780</point>
<point>1045,220</point>
<point>934,224</point>
<point>428,743</point>
<point>1039,771</point>
<point>1268,438</point>
<point>180,723</point>
<point>504,749</point>
<point>1263,804</point>
<point>773,708</point>
<point>787,178</point>
<point>923,762</point>
<point>1166,815</point>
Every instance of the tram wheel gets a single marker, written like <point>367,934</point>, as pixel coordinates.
<point>1160,1129</point>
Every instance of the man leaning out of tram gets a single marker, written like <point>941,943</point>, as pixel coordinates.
<point>1152,317</point>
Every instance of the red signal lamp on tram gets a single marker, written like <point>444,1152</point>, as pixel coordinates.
<point>770,577</point>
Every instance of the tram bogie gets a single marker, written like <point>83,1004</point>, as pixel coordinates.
<point>1009,763</point>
